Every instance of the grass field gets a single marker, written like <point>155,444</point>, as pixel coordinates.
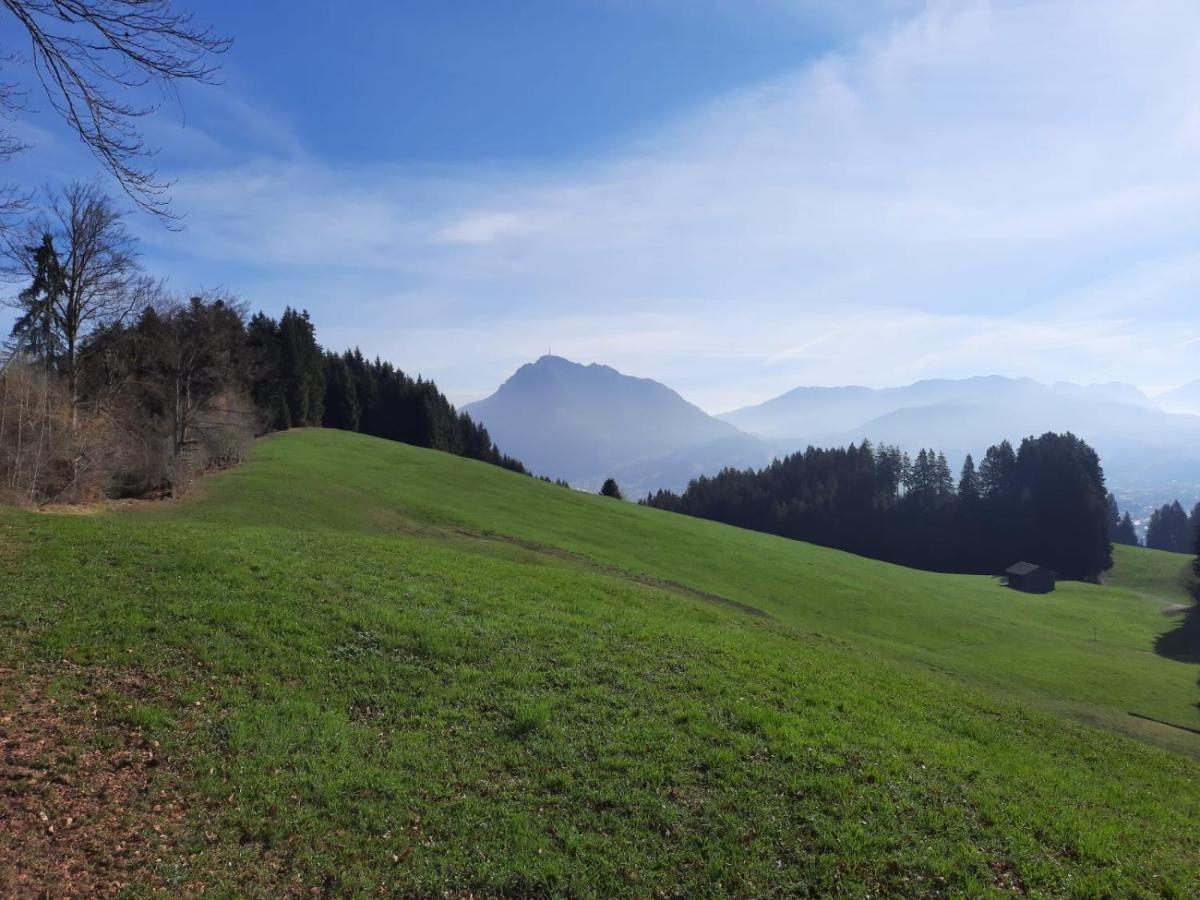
<point>370,668</point>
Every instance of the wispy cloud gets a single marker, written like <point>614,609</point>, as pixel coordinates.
<point>982,187</point>
<point>482,228</point>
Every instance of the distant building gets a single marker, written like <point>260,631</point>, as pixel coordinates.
<point>1031,578</point>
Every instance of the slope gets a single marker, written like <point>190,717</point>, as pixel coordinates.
<point>1089,648</point>
<point>373,668</point>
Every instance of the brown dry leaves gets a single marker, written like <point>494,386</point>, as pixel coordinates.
<point>85,810</point>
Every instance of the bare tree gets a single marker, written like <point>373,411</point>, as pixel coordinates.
<point>82,267</point>
<point>199,345</point>
<point>90,56</point>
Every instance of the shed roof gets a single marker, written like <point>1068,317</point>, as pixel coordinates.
<point>1023,568</point>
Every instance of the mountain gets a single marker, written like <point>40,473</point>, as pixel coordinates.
<point>814,412</point>
<point>1139,443</point>
<point>1185,399</point>
<point>586,422</point>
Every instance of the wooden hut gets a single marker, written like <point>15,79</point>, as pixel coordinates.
<point>1030,578</point>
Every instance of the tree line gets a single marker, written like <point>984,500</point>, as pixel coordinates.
<point>1170,528</point>
<point>110,385</point>
<point>1044,502</point>
<point>1121,529</point>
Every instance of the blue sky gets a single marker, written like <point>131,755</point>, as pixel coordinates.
<point>733,197</point>
<point>525,80</point>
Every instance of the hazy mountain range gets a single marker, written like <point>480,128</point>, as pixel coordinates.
<point>1184,399</point>
<point>584,423</point>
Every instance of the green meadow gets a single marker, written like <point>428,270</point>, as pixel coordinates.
<point>376,669</point>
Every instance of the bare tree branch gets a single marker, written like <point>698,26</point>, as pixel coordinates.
<point>87,52</point>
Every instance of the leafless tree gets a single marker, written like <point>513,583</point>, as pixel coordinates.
<point>82,267</point>
<point>92,57</point>
<point>197,357</point>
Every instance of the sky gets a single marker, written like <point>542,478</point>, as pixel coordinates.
<point>735,197</point>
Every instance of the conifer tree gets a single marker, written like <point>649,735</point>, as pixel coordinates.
<point>1063,516</point>
<point>1114,513</point>
<point>1169,529</point>
<point>996,470</point>
<point>610,488</point>
<point>1120,528</point>
<point>341,399</point>
<point>265,349</point>
<point>1125,532</point>
<point>968,481</point>
<point>943,480</point>
<point>302,368</point>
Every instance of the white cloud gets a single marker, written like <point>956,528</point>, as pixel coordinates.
<point>481,228</point>
<point>986,187</point>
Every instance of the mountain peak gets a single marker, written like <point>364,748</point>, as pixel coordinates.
<point>584,422</point>
<point>549,359</point>
<point>549,367</point>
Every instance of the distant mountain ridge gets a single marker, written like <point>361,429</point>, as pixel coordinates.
<point>585,422</point>
<point>809,412</point>
<point>1140,444</point>
<point>1184,399</point>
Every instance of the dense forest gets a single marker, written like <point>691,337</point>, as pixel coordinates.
<point>1044,502</point>
<point>111,386</point>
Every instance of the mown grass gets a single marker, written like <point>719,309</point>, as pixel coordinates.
<point>393,670</point>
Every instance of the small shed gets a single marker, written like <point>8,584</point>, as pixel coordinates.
<point>1030,578</point>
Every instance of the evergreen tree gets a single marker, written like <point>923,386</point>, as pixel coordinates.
<point>943,480</point>
<point>35,330</point>
<point>893,469</point>
<point>1169,529</point>
<point>302,369</point>
<point>1120,528</point>
<point>1114,514</point>
<point>968,481</point>
<point>920,479</point>
<point>341,399</point>
<point>265,349</point>
<point>610,488</point>
<point>1064,512</point>
<point>996,471</point>
<point>1125,533</point>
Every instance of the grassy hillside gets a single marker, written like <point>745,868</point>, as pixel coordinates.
<point>372,668</point>
<point>1085,648</point>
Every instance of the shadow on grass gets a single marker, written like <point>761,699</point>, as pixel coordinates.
<point>1182,643</point>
